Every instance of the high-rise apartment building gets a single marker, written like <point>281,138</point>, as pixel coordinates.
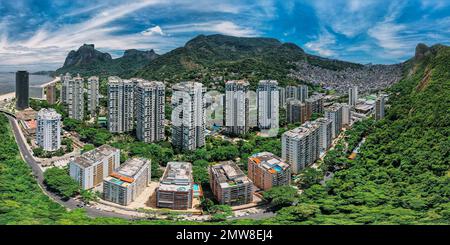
<point>93,95</point>
<point>282,95</point>
<point>229,184</point>
<point>126,183</point>
<point>300,146</point>
<point>236,107</point>
<point>299,92</point>
<point>267,103</point>
<point>50,94</point>
<point>90,168</point>
<point>379,107</point>
<point>150,101</point>
<point>346,115</point>
<point>48,129</point>
<point>22,90</point>
<point>175,190</point>
<point>296,111</point>
<point>72,96</point>
<point>352,96</point>
<point>188,115</point>
<point>314,104</point>
<point>334,113</point>
<point>325,133</point>
<point>121,105</point>
<point>266,170</point>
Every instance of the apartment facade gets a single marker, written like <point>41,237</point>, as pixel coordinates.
<point>334,113</point>
<point>296,111</point>
<point>268,104</point>
<point>48,129</point>
<point>229,184</point>
<point>93,95</point>
<point>266,170</point>
<point>72,96</point>
<point>352,96</point>
<point>300,146</point>
<point>236,107</point>
<point>125,184</point>
<point>175,189</point>
<point>346,115</point>
<point>188,115</point>
<point>121,105</point>
<point>314,104</point>
<point>90,168</point>
<point>325,133</point>
<point>150,102</point>
<point>379,107</point>
<point>299,92</point>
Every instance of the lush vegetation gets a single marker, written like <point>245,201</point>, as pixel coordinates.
<point>59,182</point>
<point>401,173</point>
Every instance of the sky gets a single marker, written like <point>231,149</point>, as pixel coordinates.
<point>37,34</point>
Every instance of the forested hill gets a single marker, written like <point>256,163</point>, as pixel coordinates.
<point>214,58</point>
<point>88,61</point>
<point>401,174</point>
<point>208,57</point>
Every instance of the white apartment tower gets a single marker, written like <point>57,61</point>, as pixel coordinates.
<point>379,107</point>
<point>120,105</point>
<point>301,146</point>
<point>268,104</point>
<point>236,107</point>
<point>346,115</point>
<point>334,113</point>
<point>72,96</point>
<point>48,129</point>
<point>93,95</point>
<point>325,133</point>
<point>150,101</point>
<point>188,115</point>
<point>352,96</point>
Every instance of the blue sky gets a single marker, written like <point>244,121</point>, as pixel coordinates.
<point>38,34</point>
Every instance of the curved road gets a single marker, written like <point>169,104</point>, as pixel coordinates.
<point>39,175</point>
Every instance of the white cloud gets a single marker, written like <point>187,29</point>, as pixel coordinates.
<point>153,30</point>
<point>322,44</point>
<point>223,27</point>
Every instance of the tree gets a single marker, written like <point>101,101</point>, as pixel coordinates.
<point>281,196</point>
<point>298,213</point>
<point>58,180</point>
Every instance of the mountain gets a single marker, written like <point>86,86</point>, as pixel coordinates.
<point>207,57</point>
<point>89,61</point>
<point>401,174</point>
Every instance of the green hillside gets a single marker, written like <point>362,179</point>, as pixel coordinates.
<point>206,57</point>
<point>402,173</point>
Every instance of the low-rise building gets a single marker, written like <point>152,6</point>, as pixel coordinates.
<point>126,183</point>
<point>90,168</point>
<point>229,184</point>
<point>267,170</point>
<point>175,188</point>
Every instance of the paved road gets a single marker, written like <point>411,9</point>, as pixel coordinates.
<point>39,175</point>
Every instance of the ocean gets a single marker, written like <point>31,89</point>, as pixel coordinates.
<point>8,81</point>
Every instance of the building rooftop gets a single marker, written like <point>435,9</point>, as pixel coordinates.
<point>93,78</point>
<point>302,131</point>
<point>240,82</point>
<point>292,101</point>
<point>314,97</point>
<point>127,171</point>
<point>263,82</point>
<point>150,84</point>
<point>183,86</point>
<point>177,177</point>
<point>333,107</point>
<point>91,157</point>
<point>269,162</point>
<point>48,114</point>
<point>229,174</point>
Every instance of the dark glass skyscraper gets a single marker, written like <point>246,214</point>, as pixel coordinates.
<point>22,86</point>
